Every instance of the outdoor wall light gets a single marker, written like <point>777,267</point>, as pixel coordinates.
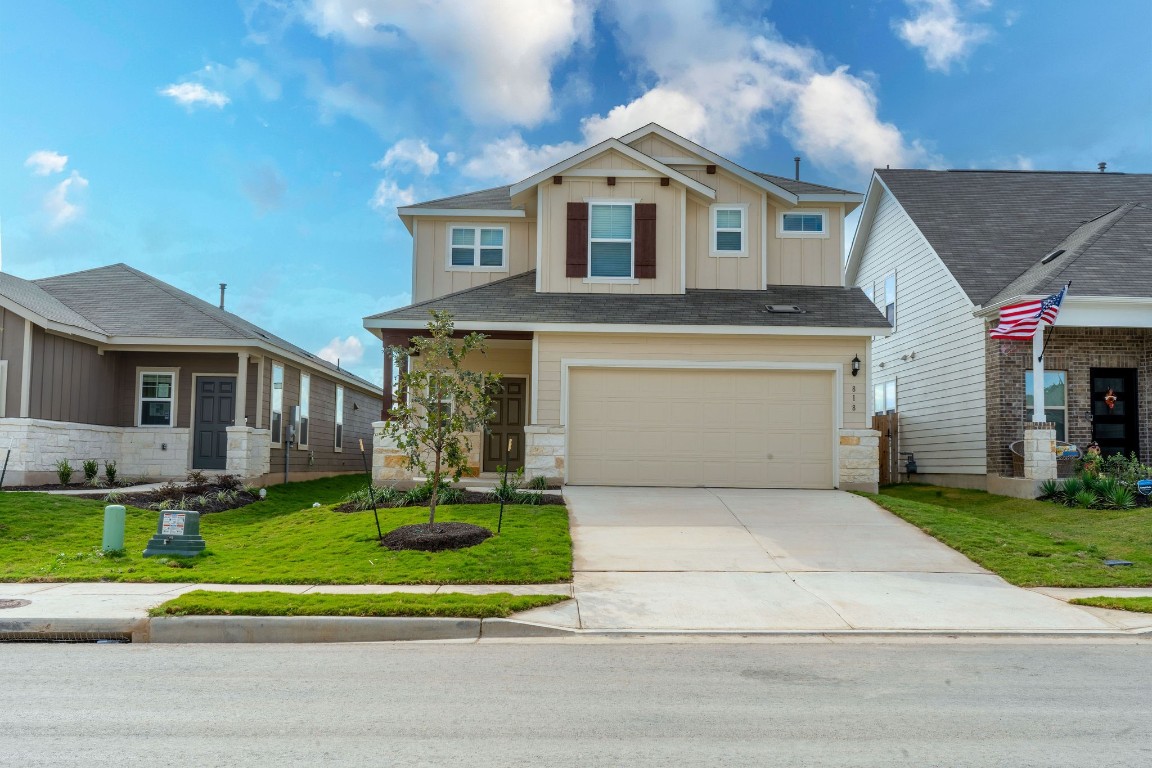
<point>856,365</point>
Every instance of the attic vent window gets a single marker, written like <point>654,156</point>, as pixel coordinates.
<point>1052,256</point>
<point>784,309</point>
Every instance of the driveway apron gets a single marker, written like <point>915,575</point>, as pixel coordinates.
<point>700,559</point>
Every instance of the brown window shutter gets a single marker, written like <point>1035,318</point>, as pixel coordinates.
<point>646,240</point>
<point>577,251</point>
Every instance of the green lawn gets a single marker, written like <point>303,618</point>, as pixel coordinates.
<point>282,540</point>
<point>1140,604</point>
<point>1031,543</point>
<point>453,604</point>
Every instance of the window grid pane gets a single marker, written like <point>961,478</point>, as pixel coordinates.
<point>613,222</point>
<point>492,237</point>
<point>728,241</point>
<point>463,257</point>
<point>611,260</point>
<point>461,236</point>
<point>728,218</point>
<point>492,257</point>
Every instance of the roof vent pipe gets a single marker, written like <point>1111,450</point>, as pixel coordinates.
<point>1101,166</point>
<point>222,287</point>
<point>797,159</point>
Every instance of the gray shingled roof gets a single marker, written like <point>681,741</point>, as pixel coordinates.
<point>803,187</point>
<point>118,300</point>
<point>38,301</point>
<point>990,227</point>
<point>495,199</point>
<point>515,300</point>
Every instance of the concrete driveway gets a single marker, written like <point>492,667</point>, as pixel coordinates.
<point>734,559</point>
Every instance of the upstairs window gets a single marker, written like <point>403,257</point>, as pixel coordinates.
<point>804,224</point>
<point>610,240</point>
<point>728,225</point>
<point>884,297</point>
<point>478,248</point>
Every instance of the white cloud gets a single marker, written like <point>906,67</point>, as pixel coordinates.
<point>408,154</point>
<point>241,74</point>
<point>58,203</point>
<point>937,29</point>
<point>511,158</point>
<point>44,162</point>
<point>347,351</point>
<point>195,94</point>
<point>389,195</point>
<point>499,53</point>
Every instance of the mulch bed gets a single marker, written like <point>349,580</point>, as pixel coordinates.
<point>470,497</point>
<point>173,493</point>
<point>435,538</point>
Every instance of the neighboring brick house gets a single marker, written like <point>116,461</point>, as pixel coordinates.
<point>113,364</point>
<point>942,251</point>
<point>660,316</point>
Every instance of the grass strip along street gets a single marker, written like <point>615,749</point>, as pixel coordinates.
<point>455,605</point>
<point>1138,604</point>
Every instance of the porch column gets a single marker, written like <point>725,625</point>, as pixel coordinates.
<point>387,383</point>
<point>241,390</point>
<point>1038,375</point>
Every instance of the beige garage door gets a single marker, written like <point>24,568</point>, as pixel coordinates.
<point>721,428</point>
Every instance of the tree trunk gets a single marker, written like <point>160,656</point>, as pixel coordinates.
<point>435,492</point>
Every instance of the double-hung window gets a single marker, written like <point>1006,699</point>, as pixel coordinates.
<point>803,223</point>
<point>885,396</point>
<point>302,423</point>
<point>157,399</point>
<point>277,419</point>
<point>610,240</point>
<point>339,418</point>
<point>729,230</point>
<point>1055,399</point>
<point>478,248</point>
<point>884,295</point>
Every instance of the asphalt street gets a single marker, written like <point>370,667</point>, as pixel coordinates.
<point>588,704</point>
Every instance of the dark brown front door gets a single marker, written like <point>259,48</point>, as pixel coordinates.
<point>504,438</point>
<point>1114,410</point>
<point>215,411</point>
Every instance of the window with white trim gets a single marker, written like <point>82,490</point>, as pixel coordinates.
<point>339,418</point>
<point>885,396</point>
<point>1055,400</point>
<point>477,247</point>
<point>610,240</point>
<point>884,296</point>
<point>803,223</point>
<point>728,230</point>
<point>302,411</point>
<point>277,404</point>
<point>157,399</point>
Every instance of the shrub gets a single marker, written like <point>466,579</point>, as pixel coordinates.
<point>110,472</point>
<point>1118,497</point>
<point>1072,486</point>
<point>196,480</point>
<point>509,486</point>
<point>538,483</point>
<point>113,497</point>
<point>1085,499</point>
<point>384,495</point>
<point>64,471</point>
<point>91,470</point>
<point>1052,489</point>
<point>229,482</point>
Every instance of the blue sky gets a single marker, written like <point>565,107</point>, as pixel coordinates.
<point>266,143</point>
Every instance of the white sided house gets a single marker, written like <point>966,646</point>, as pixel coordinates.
<point>660,316</point>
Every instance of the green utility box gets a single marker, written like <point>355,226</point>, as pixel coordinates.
<point>114,515</point>
<point>177,534</point>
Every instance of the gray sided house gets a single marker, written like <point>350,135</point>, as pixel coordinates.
<point>942,251</point>
<point>114,365</point>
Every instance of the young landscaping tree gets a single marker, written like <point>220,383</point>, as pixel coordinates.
<point>439,402</point>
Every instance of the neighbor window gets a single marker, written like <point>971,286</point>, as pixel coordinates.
<point>885,394</point>
<point>277,420</point>
<point>610,240</point>
<point>884,296</point>
<point>477,247</point>
<point>339,418</point>
<point>157,397</point>
<point>1055,399</point>
<point>804,224</point>
<point>302,418</point>
<point>728,230</point>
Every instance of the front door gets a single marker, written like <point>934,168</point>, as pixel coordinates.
<point>215,411</point>
<point>504,438</point>
<point>1114,410</point>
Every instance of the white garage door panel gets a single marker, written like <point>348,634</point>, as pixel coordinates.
<point>723,428</point>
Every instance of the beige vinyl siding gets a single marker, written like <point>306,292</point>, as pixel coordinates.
<point>432,278</point>
<point>71,381</point>
<point>555,347</point>
<point>12,351</point>
<point>554,199</point>
<point>940,394</point>
<point>655,145</point>
<point>732,272</point>
<point>806,260</point>
<point>611,160</point>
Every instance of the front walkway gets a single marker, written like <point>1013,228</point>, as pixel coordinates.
<point>694,559</point>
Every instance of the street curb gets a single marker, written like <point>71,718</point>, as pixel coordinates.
<point>308,629</point>
<point>64,628</point>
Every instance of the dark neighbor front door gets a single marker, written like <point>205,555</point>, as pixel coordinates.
<point>506,425</point>
<point>215,411</point>
<point>1115,428</point>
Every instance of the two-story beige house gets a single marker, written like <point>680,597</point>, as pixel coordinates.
<point>660,316</point>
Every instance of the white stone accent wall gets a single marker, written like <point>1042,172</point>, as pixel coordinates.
<point>249,452</point>
<point>859,468</point>
<point>544,451</point>
<point>37,445</point>
<point>1040,451</point>
<point>389,463</point>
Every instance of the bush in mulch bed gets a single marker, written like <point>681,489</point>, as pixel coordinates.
<point>199,493</point>
<point>436,537</point>
<point>386,496</point>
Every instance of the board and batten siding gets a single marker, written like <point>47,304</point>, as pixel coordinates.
<point>431,275</point>
<point>71,381</point>
<point>12,353</point>
<point>940,392</point>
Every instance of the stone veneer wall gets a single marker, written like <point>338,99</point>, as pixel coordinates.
<point>249,452</point>
<point>859,468</point>
<point>544,449</point>
<point>390,464</point>
<point>1076,351</point>
<point>38,444</point>
<point>1040,451</point>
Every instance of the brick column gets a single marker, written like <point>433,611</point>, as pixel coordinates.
<point>1040,450</point>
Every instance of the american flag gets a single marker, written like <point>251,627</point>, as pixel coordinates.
<point>1019,321</point>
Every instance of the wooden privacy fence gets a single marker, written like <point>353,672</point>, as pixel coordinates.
<point>888,425</point>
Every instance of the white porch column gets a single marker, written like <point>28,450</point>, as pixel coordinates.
<point>1038,375</point>
<point>241,390</point>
